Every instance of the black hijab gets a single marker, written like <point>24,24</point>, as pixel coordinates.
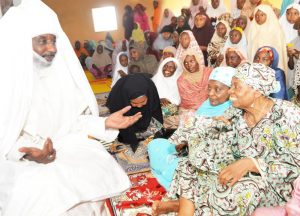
<point>203,35</point>
<point>131,87</point>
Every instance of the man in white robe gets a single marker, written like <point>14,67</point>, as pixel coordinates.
<point>4,6</point>
<point>49,165</point>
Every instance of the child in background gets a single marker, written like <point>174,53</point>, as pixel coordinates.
<point>236,40</point>
<point>269,57</point>
<point>121,68</point>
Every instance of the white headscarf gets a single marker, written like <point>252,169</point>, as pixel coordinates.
<point>235,12</point>
<point>116,75</point>
<point>212,12</point>
<point>16,85</point>
<point>167,86</point>
<point>241,45</point>
<point>268,34</point>
<point>195,9</point>
<point>289,31</point>
<point>118,49</point>
<point>165,20</point>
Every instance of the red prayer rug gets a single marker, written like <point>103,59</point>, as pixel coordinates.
<point>139,198</point>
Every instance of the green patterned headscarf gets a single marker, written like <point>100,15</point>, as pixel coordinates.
<point>259,77</point>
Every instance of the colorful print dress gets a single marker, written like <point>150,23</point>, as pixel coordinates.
<point>273,143</point>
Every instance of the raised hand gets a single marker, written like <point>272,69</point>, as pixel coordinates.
<point>45,155</point>
<point>117,120</point>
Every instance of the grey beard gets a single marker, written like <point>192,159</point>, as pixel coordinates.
<point>39,62</point>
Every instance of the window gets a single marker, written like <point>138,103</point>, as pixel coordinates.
<point>104,19</point>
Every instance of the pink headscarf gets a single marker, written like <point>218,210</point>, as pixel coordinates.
<point>192,46</point>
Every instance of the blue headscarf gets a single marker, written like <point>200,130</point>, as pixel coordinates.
<point>273,53</point>
<point>284,5</point>
<point>223,75</point>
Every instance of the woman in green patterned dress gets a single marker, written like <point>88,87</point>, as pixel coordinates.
<point>265,147</point>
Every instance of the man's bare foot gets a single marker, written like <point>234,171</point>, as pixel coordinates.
<point>164,207</point>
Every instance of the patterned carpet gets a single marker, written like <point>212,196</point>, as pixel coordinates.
<point>131,162</point>
<point>138,200</point>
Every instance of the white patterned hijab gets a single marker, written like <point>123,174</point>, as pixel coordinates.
<point>258,76</point>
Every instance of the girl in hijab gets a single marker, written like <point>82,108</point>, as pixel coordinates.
<point>162,153</point>
<point>243,22</point>
<point>168,52</point>
<point>121,46</point>
<point>192,84</point>
<point>288,20</point>
<point>215,9</point>
<point>101,63</point>
<point>182,25</point>
<point>236,8</point>
<point>121,68</point>
<point>237,39</point>
<point>128,22</point>
<point>203,32</point>
<point>139,92</point>
<point>146,63</point>
<point>217,42</point>
<point>234,57</point>
<point>285,4</point>
<point>141,17</point>
<point>265,30</point>
<point>195,7</point>
<point>187,41</point>
<point>165,81</point>
<point>269,56</point>
<point>196,4</point>
<point>166,19</point>
<point>175,38</point>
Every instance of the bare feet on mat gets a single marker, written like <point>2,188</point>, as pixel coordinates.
<point>160,207</point>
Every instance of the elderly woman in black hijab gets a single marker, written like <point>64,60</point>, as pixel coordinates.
<point>139,92</point>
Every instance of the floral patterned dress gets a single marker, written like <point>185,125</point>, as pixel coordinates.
<point>273,143</point>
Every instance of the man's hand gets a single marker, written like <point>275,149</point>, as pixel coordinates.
<point>117,120</point>
<point>122,73</point>
<point>45,155</point>
<point>235,171</point>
